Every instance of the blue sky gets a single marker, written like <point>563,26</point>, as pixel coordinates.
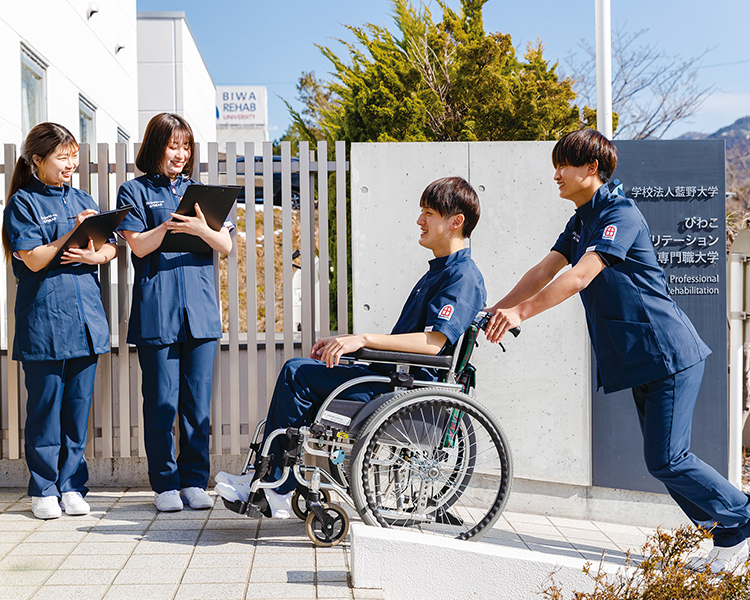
<point>247,42</point>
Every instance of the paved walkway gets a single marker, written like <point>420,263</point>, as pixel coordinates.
<point>125,549</point>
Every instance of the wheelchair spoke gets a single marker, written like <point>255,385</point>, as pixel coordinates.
<point>439,466</point>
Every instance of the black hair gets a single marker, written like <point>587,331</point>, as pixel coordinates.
<point>156,138</point>
<point>583,147</point>
<point>452,196</point>
<point>42,140</point>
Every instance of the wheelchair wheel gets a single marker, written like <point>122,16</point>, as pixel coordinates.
<point>433,461</point>
<point>299,501</point>
<point>328,535</point>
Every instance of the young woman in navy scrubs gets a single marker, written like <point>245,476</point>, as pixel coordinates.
<point>174,320</point>
<point>60,322</point>
<point>641,338</point>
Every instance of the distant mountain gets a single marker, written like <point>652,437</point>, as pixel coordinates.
<point>737,136</point>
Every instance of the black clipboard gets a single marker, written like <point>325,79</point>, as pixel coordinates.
<point>215,201</point>
<point>98,228</point>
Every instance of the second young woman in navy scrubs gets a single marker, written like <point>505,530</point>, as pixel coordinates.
<point>174,320</point>
<point>60,322</point>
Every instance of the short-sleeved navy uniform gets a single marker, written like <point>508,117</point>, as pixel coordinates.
<point>639,333</point>
<point>170,287</point>
<point>174,322</point>
<point>446,299</point>
<point>60,328</point>
<point>644,341</point>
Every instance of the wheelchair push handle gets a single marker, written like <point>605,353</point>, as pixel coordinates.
<point>483,318</point>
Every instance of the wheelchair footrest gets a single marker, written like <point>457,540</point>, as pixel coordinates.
<point>250,510</point>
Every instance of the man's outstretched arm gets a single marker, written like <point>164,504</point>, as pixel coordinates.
<point>330,349</point>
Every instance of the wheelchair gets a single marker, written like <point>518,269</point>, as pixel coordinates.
<point>425,456</point>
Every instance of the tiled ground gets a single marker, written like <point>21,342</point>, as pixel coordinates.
<point>125,550</point>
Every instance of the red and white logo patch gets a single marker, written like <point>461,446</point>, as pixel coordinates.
<point>446,312</point>
<point>609,232</point>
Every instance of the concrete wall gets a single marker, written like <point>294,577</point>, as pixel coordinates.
<point>539,388</point>
<point>172,76</point>
<point>82,59</point>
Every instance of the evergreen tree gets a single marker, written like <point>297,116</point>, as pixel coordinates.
<point>444,81</point>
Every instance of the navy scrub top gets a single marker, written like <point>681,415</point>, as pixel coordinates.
<point>638,332</point>
<point>55,307</point>
<point>173,292</point>
<point>445,299</point>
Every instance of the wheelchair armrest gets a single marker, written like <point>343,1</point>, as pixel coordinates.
<point>409,358</point>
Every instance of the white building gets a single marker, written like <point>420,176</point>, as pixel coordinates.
<point>70,62</point>
<point>172,76</point>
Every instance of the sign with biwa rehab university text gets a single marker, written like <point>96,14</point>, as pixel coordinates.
<point>679,186</point>
<point>245,105</point>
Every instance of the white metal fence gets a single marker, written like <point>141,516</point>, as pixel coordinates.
<point>244,370</point>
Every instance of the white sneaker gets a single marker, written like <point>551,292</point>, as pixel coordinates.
<point>281,504</point>
<point>196,498</point>
<point>74,504</point>
<point>231,493</point>
<point>224,477</point>
<point>721,559</point>
<point>168,501</point>
<point>45,507</point>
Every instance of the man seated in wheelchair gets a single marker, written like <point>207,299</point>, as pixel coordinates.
<point>438,310</point>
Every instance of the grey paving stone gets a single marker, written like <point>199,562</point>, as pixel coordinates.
<point>30,563</point>
<point>72,577</point>
<point>214,591</point>
<point>53,549</point>
<point>214,561</point>
<point>19,592</point>
<point>46,537</point>
<point>171,525</point>
<point>279,560</point>
<point>328,575</point>
<point>111,537</point>
<point>330,559</point>
<point>282,575</point>
<point>219,547</point>
<point>6,548</point>
<point>140,592</point>
<point>14,537</point>
<point>25,525</point>
<point>86,562</point>
<point>11,578</point>
<point>176,535</point>
<point>301,591</point>
<point>151,561</point>
<point>334,590</point>
<point>156,574</point>
<point>147,547</point>
<point>104,548</point>
<point>216,575</point>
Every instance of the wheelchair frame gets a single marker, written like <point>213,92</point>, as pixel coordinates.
<point>441,440</point>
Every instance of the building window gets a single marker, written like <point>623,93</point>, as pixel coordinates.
<point>33,90</point>
<point>123,138</point>
<point>86,121</point>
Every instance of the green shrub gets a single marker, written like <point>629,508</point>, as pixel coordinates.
<point>662,574</point>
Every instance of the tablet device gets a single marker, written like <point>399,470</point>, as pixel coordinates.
<point>215,201</point>
<point>98,228</point>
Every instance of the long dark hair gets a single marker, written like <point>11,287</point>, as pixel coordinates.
<point>42,141</point>
<point>159,132</point>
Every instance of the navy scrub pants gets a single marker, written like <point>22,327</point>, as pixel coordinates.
<point>177,381</point>
<point>301,388</point>
<point>665,409</point>
<point>57,415</point>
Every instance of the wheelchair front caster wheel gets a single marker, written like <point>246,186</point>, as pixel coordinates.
<point>299,501</point>
<point>330,533</point>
